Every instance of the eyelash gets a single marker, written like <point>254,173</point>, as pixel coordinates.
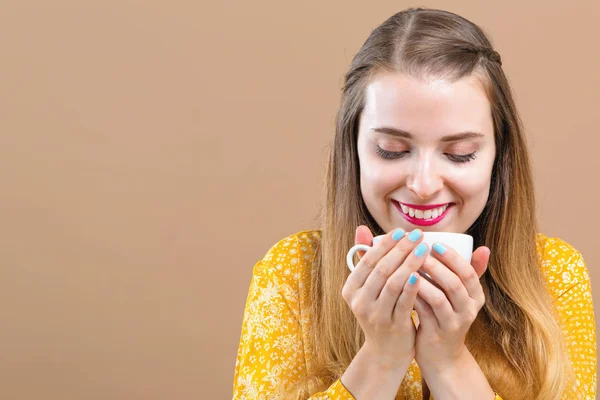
<point>457,158</point>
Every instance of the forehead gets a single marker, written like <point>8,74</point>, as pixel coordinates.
<point>427,107</point>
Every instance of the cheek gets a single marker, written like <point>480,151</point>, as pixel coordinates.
<point>378,178</point>
<point>472,184</point>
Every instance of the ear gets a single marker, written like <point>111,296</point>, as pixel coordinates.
<point>479,260</point>
<point>363,236</point>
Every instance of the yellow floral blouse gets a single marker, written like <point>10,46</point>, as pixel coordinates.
<point>272,355</point>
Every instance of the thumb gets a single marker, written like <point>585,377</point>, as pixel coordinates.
<point>363,236</point>
<point>480,259</point>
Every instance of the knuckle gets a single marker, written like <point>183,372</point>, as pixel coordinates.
<point>455,286</point>
<point>394,286</point>
<point>375,322</point>
<point>366,263</point>
<point>480,302</point>
<point>346,294</point>
<point>437,301</point>
<point>403,306</point>
<point>471,275</point>
<point>380,272</point>
<point>358,308</point>
<point>453,327</point>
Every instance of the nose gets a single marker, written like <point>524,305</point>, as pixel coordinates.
<point>425,181</point>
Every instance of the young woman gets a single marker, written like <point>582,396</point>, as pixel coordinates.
<point>428,139</point>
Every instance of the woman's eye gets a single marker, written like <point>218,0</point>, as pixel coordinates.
<point>461,158</point>
<point>390,155</point>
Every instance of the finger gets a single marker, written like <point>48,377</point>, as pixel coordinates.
<point>429,278</point>
<point>367,263</point>
<point>427,318</point>
<point>461,267</point>
<point>356,278</point>
<point>403,253</point>
<point>393,286</point>
<point>451,284</point>
<point>363,235</point>
<point>480,260</point>
<point>406,301</point>
<point>438,302</point>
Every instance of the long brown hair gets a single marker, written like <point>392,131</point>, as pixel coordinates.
<point>516,338</point>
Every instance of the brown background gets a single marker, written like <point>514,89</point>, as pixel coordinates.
<point>152,151</point>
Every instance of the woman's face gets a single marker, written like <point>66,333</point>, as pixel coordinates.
<point>426,151</point>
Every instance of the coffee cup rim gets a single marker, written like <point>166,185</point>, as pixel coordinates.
<point>440,233</point>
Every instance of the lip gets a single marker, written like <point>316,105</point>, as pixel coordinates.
<point>423,222</point>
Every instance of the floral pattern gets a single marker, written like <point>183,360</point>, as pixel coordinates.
<point>273,355</point>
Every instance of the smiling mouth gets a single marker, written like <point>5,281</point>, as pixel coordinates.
<point>425,215</point>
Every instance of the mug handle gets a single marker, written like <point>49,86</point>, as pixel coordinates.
<point>352,251</point>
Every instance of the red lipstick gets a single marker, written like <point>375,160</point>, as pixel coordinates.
<point>422,221</point>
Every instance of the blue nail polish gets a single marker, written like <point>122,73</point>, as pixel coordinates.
<point>421,249</point>
<point>439,248</point>
<point>414,236</point>
<point>413,279</point>
<point>398,234</point>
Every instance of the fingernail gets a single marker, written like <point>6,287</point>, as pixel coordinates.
<point>421,249</point>
<point>413,279</point>
<point>439,248</point>
<point>398,234</point>
<point>414,236</point>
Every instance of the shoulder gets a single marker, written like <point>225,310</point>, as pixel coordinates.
<point>290,259</point>
<point>562,265</point>
<point>294,248</point>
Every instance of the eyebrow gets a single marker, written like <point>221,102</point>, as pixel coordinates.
<point>448,138</point>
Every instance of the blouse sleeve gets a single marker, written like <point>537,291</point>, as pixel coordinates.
<point>577,312</point>
<point>270,358</point>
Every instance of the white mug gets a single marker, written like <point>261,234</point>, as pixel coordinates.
<point>460,242</point>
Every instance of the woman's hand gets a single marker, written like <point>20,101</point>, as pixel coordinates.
<point>381,295</point>
<point>446,315</point>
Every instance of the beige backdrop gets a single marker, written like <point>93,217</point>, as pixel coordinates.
<point>152,151</point>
